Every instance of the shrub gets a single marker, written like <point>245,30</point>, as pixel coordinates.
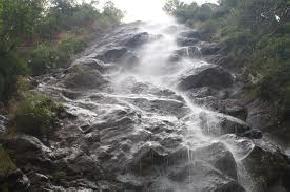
<point>36,115</point>
<point>72,46</point>
<point>11,65</point>
<point>44,57</point>
<point>6,164</point>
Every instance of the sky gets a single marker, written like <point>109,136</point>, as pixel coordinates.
<point>146,9</point>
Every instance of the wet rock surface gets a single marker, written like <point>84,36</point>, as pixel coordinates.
<point>126,132</point>
<point>207,76</point>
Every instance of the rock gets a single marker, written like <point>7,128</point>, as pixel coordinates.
<point>3,122</point>
<point>81,77</point>
<point>113,55</point>
<point>24,143</point>
<point>232,186</point>
<point>137,40</point>
<point>130,61</point>
<point>151,153</point>
<point>17,181</point>
<point>27,151</point>
<point>210,49</point>
<point>253,134</point>
<point>38,178</point>
<point>230,125</point>
<point>190,34</point>
<point>233,107</point>
<point>90,63</point>
<point>267,165</point>
<point>218,155</point>
<point>191,51</point>
<point>209,76</point>
<point>186,42</point>
<point>213,124</point>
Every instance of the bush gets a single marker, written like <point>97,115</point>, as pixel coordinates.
<point>72,46</point>
<point>36,115</point>
<point>11,65</point>
<point>44,58</point>
<point>6,164</point>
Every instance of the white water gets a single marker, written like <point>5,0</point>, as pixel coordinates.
<point>156,70</point>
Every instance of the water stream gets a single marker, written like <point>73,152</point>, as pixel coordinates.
<point>151,136</point>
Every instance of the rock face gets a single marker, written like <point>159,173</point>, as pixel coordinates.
<point>125,130</point>
<point>3,122</point>
<point>208,76</point>
<point>185,41</point>
<point>137,40</point>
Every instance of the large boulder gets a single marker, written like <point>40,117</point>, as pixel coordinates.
<point>14,182</point>
<point>112,55</point>
<point>208,76</point>
<point>218,124</point>
<point>218,155</point>
<point>84,77</point>
<point>89,63</point>
<point>24,143</point>
<point>268,166</point>
<point>137,40</point>
<point>231,107</point>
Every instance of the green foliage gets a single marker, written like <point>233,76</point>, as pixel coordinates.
<point>58,176</point>
<point>35,115</point>
<point>10,67</point>
<point>44,58</point>
<point>72,46</point>
<point>186,12</point>
<point>37,25</point>
<point>6,164</point>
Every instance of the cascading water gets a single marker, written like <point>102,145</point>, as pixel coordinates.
<point>156,69</point>
<point>136,126</point>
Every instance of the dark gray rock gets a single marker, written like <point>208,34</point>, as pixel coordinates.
<point>90,63</point>
<point>186,42</point>
<point>209,76</point>
<point>210,49</point>
<point>24,143</point>
<point>16,181</point>
<point>113,55</point>
<point>190,34</point>
<point>218,155</point>
<point>268,166</point>
<point>252,134</point>
<point>137,40</point>
<point>232,186</point>
<point>84,77</point>
<point>213,124</point>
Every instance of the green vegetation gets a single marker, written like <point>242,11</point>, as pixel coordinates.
<point>255,35</point>
<point>37,36</point>
<point>6,164</point>
<point>36,115</point>
<point>6,168</point>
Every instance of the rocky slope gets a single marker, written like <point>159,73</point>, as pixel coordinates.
<point>132,124</point>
